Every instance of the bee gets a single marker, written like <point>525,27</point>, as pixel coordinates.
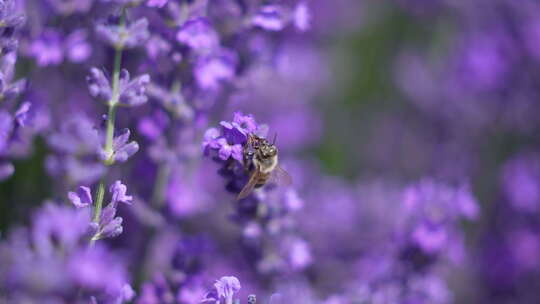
<point>261,161</point>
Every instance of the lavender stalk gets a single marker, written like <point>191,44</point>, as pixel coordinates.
<point>109,160</point>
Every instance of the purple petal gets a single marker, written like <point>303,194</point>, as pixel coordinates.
<point>270,17</point>
<point>237,152</point>
<point>225,152</point>
<point>198,34</point>
<point>126,151</point>
<point>6,170</point>
<point>118,191</point>
<point>82,198</point>
<point>22,113</point>
<point>120,140</point>
<point>112,229</point>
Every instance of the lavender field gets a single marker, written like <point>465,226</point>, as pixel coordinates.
<point>269,151</point>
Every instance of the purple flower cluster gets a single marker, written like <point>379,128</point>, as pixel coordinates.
<point>108,224</point>
<point>267,216</point>
<point>52,263</point>
<point>14,113</point>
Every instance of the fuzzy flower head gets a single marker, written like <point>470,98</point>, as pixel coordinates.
<point>82,198</point>
<point>47,49</point>
<point>123,35</point>
<point>10,90</point>
<point>156,3</point>
<point>270,17</point>
<point>118,192</point>
<point>132,92</point>
<point>198,34</point>
<point>10,22</point>
<point>302,17</point>
<point>223,291</point>
<point>227,287</point>
<point>432,208</point>
<point>214,69</point>
<point>109,225</point>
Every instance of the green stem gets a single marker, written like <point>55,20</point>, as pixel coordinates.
<point>159,185</point>
<point>109,152</point>
<point>100,193</point>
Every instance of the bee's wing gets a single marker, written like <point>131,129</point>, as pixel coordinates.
<point>249,186</point>
<point>280,177</point>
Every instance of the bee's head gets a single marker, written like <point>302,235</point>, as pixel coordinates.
<point>268,151</point>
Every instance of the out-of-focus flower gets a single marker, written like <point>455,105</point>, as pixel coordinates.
<point>132,92</point>
<point>6,126</point>
<point>47,49</point>
<point>6,170</point>
<point>98,84</point>
<point>214,69</point>
<point>224,290</point>
<point>81,198</point>
<point>270,17</point>
<point>53,258</point>
<point>21,115</point>
<point>10,90</point>
<point>156,3</point>
<point>226,287</point>
<point>198,34</point>
<point>123,35</point>
<point>11,21</point>
<point>77,46</point>
<point>302,17</point>
<point>67,7</point>
<point>521,183</point>
<point>118,192</point>
<point>77,135</point>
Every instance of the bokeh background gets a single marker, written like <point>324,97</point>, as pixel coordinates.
<point>391,115</point>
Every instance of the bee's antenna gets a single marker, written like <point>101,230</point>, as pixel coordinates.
<point>274,140</point>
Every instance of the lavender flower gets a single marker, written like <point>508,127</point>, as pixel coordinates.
<point>99,85</point>
<point>118,191</point>
<point>302,17</point>
<point>121,150</point>
<point>225,288</point>
<point>123,35</point>
<point>6,170</point>
<point>109,225</point>
<point>198,34</point>
<point>68,7</point>
<point>82,198</point>
<point>78,47</point>
<point>156,3</point>
<point>47,49</point>
<point>11,21</point>
<point>270,17</point>
<point>131,91</point>
<point>212,70</point>
<point>52,252</point>
<point>6,126</point>
<point>229,143</point>
<point>10,91</point>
